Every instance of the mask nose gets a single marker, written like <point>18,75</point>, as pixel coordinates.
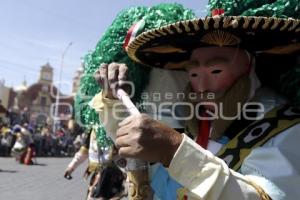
<point>200,84</point>
<point>203,86</point>
<point>199,80</point>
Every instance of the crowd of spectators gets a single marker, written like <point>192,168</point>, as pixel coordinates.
<point>62,142</point>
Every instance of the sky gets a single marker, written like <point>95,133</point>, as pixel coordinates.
<point>34,32</point>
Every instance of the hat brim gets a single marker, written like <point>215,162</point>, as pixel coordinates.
<point>169,46</point>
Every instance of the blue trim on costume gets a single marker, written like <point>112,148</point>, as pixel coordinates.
<point>163,185</point>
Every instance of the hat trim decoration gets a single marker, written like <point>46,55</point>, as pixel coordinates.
<point>220,38</point>
<point>219,30</point>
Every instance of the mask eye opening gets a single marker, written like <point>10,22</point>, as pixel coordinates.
<point>217,71</point>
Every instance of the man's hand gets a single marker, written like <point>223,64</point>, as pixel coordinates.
<point>111,77</point>
<point>141,137</point>
<point>68,173</point>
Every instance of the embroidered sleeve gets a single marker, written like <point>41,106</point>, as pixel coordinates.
<point>205,176</point>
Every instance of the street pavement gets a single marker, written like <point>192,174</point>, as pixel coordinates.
<point>44,181</point>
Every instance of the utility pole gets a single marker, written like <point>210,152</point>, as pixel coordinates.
<point>56,119</point>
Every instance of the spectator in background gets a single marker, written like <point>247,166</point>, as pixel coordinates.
<point>7,139</point>
<point>23,149</point>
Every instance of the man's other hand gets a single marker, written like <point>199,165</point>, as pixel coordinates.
<point>139,136</point>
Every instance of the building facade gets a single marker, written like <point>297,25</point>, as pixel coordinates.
<point>37,102</point>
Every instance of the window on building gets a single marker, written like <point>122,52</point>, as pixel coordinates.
<point>43,101</point>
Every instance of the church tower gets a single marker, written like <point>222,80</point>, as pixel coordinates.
<point>46,74</point>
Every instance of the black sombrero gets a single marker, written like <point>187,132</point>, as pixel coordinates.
<point>168,46</point>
